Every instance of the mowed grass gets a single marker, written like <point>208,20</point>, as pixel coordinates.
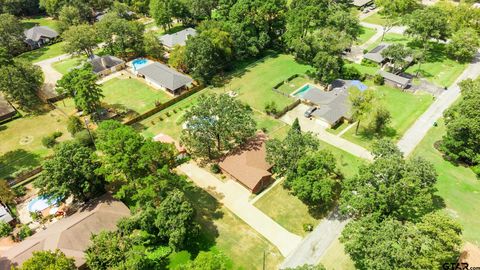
<point>404,108</point>
<point>292,85</point>
<point>363,68</point>
<point>289,211</point>
<point>224,232</point>
<point>365,34</point>
<point>376,18</point>
<point>458,186</point>
<point>43,53</point>
<point>30,22</point>
<point>253,84</point>
<point>335,258</point>
<point>68,64</point>
<point>21,140</point>
<point>132,94</point>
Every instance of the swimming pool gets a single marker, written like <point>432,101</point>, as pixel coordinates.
<point>139,63</point>
<point>302,90</point>
<point>41,203</point>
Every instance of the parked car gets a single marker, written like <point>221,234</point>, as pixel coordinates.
<point>308,113</point>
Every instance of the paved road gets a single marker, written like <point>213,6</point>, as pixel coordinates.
<point>316,128</point>
<point>419,129</point>
<point>312,248</point>
<point>236,198</point>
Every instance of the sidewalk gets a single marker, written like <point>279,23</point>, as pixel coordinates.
<point>236,198</point>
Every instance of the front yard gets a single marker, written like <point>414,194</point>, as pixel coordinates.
<point>365,34</point>
<point>66,65</point>
<point>404,108</point>
<point>43,53</point>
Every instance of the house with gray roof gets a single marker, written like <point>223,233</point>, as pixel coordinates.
<point>332,106</point>
<point>38,36</point>
<point>105,65</point>
<point>178,38</point>
<point>163,77</point>
<point>395,80</point>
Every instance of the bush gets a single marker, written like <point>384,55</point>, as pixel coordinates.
<point>365,51</point>
<point>476,169</point>
<point>352,73</point>
<point>49,141</point>
<point>5,229</point>
<point>271,108</point>
<point>19,191</point>
<point>57,134</point>
<point>83,137</point>
<point>214,168</point>
<point>378,79</point>
<point>307,227</point>
<point>24,232</point>
<point>368,63</point>
<point>74,125</point>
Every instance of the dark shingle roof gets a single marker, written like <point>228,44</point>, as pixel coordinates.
<point>165,76</point>
<point>178,38</point>
<point>37,32</point>
<point>102,63</point>
<point>394,78</point>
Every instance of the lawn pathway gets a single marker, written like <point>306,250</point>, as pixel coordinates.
<point>419,129</point>
<point>236,198</point>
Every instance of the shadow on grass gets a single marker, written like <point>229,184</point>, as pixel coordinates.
<point>207,209</point>
<point>34,54</point>
<point>368,134</point>
<point>16,160</point>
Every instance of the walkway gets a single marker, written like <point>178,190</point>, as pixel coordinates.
<point>419,129</point>
<point>314,126</point>
<point>314,245</point>
<point>236,198</point>
<point>51,75</point>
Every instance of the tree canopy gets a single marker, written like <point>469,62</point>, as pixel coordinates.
<point>48,260</point>
<point>80,39</point>
<point>11,31</point>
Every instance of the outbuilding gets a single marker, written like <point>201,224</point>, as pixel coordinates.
<point>161,76</point>
<point>395,80</point>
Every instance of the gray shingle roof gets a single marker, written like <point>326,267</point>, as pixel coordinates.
<point>102,63</point>
<point>165,76</point>
<point>394,78</point>
<point>178,38</point>
<point>361,3</point>
<point>375,55</point>
<point>38,32</point>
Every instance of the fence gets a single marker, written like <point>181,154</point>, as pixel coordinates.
<point>286,109</point>
<point>24,176</point>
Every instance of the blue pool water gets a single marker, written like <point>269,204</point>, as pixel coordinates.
<point>300,92</point>
<point>139,63</point>
<point>41,203</point>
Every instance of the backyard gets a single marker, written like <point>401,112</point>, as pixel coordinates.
<point>29,22</point>
<point>404,108</point>
<point>458,186</point>
<point>21,138</point>
<point>43,53</point>
<point>224,232</point>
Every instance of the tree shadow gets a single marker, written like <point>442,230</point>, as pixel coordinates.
<point>207,209</point>
<point>16,160</point>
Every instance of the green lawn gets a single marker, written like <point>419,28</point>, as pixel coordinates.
<point>43,53</point>
<point>391,38</point>
<point>30,22</point>
<point>375,19</point>
<point>253,84</point>
<point>458,186</point>
<point>404,108</point>
<point>366,34</point>
<point>223,231</point>
<point>336,130</point>
<point>335,258</point>
<point>66,65</point>
<point>21,145</point>
<point>294,84</point>
<point>132,94</point>
<point>363,69</point>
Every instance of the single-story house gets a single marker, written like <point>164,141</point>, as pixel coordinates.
<point>395,80</point>
<point>5,215</point>
<point>333,106</point>
<point>6,109</point>
<point>105,65</point>
<point>164,138</point>
<point>248,165</point>
<point>71,235</point>
<point>38,36</point>
<point>178,38</point>
<point>362,3</point>
<point>375,55</point>
<point>163,77</point>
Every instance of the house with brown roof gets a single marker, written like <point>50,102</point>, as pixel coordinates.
<point>248,165</point>
<point>70,235</point>
<point>7,111</point>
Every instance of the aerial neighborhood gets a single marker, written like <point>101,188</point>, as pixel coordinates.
<point>239,134</point>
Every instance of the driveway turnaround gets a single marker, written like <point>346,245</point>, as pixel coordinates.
<point>236,198</point>
<point>312,248</point>
<point>419,129</point>
<point>316,127</point>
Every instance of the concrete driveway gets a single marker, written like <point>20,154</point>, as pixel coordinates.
<point>236,198</point>
<point>318,127</point>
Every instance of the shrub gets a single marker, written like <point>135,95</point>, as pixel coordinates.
<point>271,108</point>
<point>351,73</point>
<point>365,51</point>
<point>19,191</point>
<point>74,125</point>
<point>378,79</point>
<point>57,134</point>
<point>368,63</point>
<point>5,229</point>
<point>476,169</point>
<point>49,141</point>
<point>214,168</point>
<point>83,137</point>
<point>24,232</point>
<point>307,227</point>
<point>167,114</point>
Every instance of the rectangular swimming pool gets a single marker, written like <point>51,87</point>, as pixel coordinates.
<point>303,90</point>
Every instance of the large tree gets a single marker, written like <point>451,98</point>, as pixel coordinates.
<point>80,39</point>
<point>48,260</point>
<point>362,103</point>
<point>81,85</point>
<point>397,54</point>
<point>390,186</point>
<point>285,154</point>
<point>71,172</point>
<point>391,244</point>
<point>314,179</point>
<point>26,79</point>
<point>11,34</point>
<point>461,141</point>
<point>69,16</point>
<point>152,47</point>
<point>217,124</point>
<point>464,45</point>
<point>165,11</point>
<point>394,10</point>
<point>6,194</point>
